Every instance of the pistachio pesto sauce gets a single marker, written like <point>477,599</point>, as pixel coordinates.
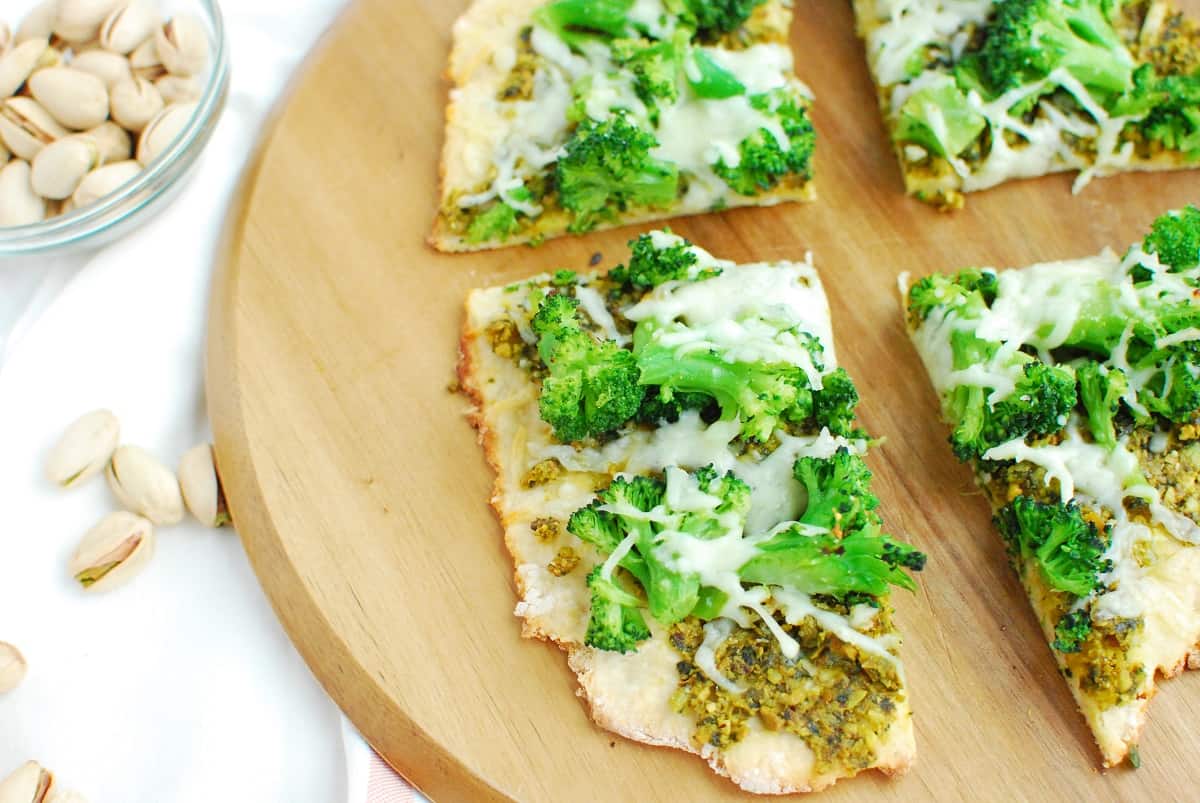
<point>550,86</point>
<point>1049,125</point>
<point>1141,494</point>
<point>822,669</point>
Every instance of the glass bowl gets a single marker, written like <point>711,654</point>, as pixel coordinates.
<point>141,197</point>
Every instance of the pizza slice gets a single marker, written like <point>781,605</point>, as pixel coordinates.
<point>975,93</point>
<point>1073,389</point>
<point>683,492</point>
<point>575,115</point>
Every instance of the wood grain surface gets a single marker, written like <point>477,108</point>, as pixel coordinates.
<point>361,495</point>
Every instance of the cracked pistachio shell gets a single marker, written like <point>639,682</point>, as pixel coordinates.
<point>26,127</point>
<point>112,142</point>
<point>201,486</point>
<point>77,99</point>
<point>12,667</point>
<point>84,449</point>
<point>182,45</point>
<point>79,21</point>
<point>144,485</point>
<point>127,26</point>
<point>38,23</point>
<point>179,88</point>
<point>134,103</point>
<point>103,181</point>
<point>160,132</point>
<point>29,783</point>
<point>60,166</point>
<point>19,63</point>
<point>144,61</point>
<point>65,796</point>
<point>113,552</point>
<point>110,68</point>
<point>19,204</point>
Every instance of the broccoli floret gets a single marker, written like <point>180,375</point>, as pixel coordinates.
<point>714,18</point>
<point>655,69</point>
<point>1071,631</point>
<point>1101,390</point>
<point>835,402</point>
<point>654,409</point>
<point>1026,40</point>
<point>1168,107</point>
<point>969,291</point>
<point>1175,237</point>
<point>839,492</point>
<point>607,167</point>
<point>592,387</point>
<point>708,79</point>
<point>939,119</point>
<point>865,562</point>
<point>650,266</point>
<point>764,162</point>
<point>497,223</point>
<point>616,622</point>
<point>1068,550</point>
<point>578,20</point>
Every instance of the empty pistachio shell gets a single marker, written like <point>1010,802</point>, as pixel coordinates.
<point>79,20</point>
<point>65,796</point>
<point>103,181</point>
<point>182,45</point>
<point>144,61</point>
<point>144,485</point>
<point>26,127</point>
<point>201,486</point>
<point>112,142</point>
<point>113,551</point>
<point>179,88</point>
<point>19,63</point>
<point>29,783</point>
<point>19,204</point>
<point>12,667</point>
<point>84,449</point>
<point>127,26</point>
<point>77,99</point>
<point>134,103</point>
<point>160,132</point>
<point>38,23</point>
<point>60,166</point>
<point>110,68</point>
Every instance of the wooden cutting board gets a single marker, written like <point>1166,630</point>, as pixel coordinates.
<point>361,495</point>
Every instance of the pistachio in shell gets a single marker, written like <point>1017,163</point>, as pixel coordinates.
<point>19,204</point>
<point>84,449</point>
<point>12,667</point>
<point>201,486</point>
<point>134,103</point>
<point>110,68</point>
<point>164,129</point>
<point>60,166</point>
<point>76,99</point>
<point>103,181</point>
<point>145,486</point>
<point>79,21</point>
<point>113,552</point>
<point>26,127</point>
<point>29,783</point>
<point>182,45</point>
<point>127,26</point>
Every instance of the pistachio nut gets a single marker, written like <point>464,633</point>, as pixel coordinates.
<point>65,796</point>
<point>127,26</point>
<point>79,21</point>
<point>29,783</point>
<point>182,45</point>
<point>164,129</point>
<point>134,103</point>
<point>19,204</point>
<point>103,181</point>
<point>144,485</point>
<point>59,167</point>
<point>12,667</point>
<point>19,63</point>
<point>112,142</point>
<point>201,486</point>
<point>144,61</point>
<point>38,23</point>
<point>77,99</point>
<point>108,67</point>
<point>179,88</point>
<point>26,127</point>
<point>84,449</point>
<point>113,552</point>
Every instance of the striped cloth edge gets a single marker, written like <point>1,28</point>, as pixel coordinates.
<point>385,786</point>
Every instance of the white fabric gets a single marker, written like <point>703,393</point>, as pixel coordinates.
<point>181,686</point>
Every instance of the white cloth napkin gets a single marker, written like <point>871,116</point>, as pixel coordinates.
<point>181,686</point>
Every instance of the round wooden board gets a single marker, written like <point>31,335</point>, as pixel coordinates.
<point>361,494</point>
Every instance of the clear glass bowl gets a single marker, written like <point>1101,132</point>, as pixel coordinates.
<point>138,200</point>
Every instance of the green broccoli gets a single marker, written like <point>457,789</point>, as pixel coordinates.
<point>592,386</point>
<point>1175,237</point>
<point>1068,550</point>
<point>968,292</point>
<point>575,21</point>
<point>710,80</point>
<point>839,493</point>
<point>763,160</point>
<point>835,402</point>
<point>655,69</point>
<point>939,119</point>
<point>715,18</point>
<point>1024,41</point>
<point>616,622</point>
<point>1168,107</point>
<point>1101,390</point>
<point>497,223</point>
<point>1072,630</point>
<point>606,167</point>
<point>650,266</point>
